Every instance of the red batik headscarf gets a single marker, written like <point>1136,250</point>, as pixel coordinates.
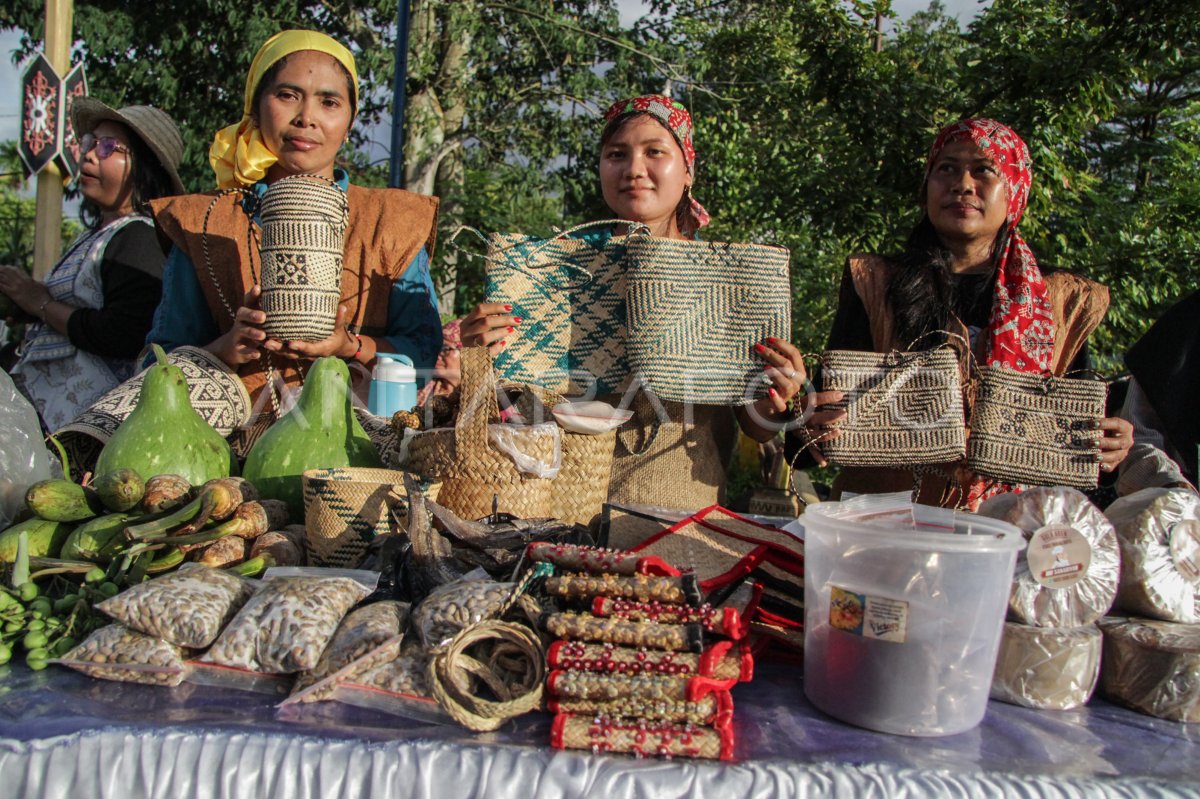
<point>673,116</point>
<point>1021,326</point>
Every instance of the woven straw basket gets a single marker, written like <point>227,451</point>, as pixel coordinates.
<point>470,470</point>
<point>304,221</point>
<point>904,408</point>
<point>1033,429</point>
<point>345,508</point>
<point>581,486</point>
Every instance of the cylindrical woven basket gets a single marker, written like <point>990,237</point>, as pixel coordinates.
<point>582,483</point>
<point>470,469</point>
<point>345,508</point>
<point>304,221</point>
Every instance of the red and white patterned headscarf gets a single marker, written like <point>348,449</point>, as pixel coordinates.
<point>673,116</point>
<point>1021,326</point>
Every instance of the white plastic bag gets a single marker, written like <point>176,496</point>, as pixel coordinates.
<point>23,457</point>
<point>507,438</point>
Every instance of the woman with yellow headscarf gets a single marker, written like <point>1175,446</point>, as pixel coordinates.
<point>300,101</point>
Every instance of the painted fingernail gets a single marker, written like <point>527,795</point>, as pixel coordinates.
<point>511,329</point>
<point>503,343</point>
<point>759,348</point>
<point>508,307</point>
<point>518,319</point>
<point>771,391</point>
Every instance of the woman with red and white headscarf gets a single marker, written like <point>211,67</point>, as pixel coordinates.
<point>965,269</point>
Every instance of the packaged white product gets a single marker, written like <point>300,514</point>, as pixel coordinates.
<point>1153,667</point>
<point>1048,668</point>
<point>1067,574</point>
<point>1159,533</point>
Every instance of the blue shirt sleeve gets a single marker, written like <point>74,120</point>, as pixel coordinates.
<point>414,326</point>
<point>182,316</point>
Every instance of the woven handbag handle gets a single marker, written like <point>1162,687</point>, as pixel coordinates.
<point>586,277</point>
<point>478,404</point>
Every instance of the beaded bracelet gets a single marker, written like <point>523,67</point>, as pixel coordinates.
<point>42,309</point>
<point>358,351</point>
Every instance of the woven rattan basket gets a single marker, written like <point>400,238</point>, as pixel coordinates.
<point>345,508</point>
<point>304,221</point>
<point>470,469</point>
<point>1032,429</point>
<point>903,408</point>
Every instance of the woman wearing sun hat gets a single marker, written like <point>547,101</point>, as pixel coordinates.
<point>300,101</point>
<point>93,311</point>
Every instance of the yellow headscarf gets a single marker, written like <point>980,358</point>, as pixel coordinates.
<point>238,154</point>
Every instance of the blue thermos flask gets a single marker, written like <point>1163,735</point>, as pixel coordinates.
<point>393,385</point>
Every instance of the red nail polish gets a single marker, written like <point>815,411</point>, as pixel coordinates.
<point>771,391</point>
<point>760,348</point>
<point>511,329</point>
<point>508,307</point>
<point>518,319</point>
<point>503,343</point>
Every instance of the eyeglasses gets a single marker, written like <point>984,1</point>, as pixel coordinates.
<point>105,146</point>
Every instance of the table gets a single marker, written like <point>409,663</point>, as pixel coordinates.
<point>64,734</point>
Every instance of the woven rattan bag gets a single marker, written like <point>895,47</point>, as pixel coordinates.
<point>695,311</point>
<point>570,294</point>
<point>581,486</point>
<point>903,409</point>
<point>1033,429</point>
<point>471,470</point>
<point>304,220</point>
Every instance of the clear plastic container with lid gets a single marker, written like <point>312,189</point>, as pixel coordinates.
<point>904,607</point>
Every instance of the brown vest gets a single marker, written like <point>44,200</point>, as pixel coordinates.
<point>1078,306</point>
<point>386,230</point>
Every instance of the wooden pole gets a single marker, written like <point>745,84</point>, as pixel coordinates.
<point>47,236</point>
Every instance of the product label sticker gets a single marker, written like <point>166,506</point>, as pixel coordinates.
<point>1185,549</point>
<point>868,616</point>
<point>1058,556</point>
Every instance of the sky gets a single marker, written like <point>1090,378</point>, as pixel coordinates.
<point>10,74</point>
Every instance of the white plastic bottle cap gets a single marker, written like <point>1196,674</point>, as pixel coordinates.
<point>394,368</point>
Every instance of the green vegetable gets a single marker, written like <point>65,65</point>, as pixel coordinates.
<point>166,561</point>
<point>62,501</point>
<point>5,654</point>
<point>164,434</point>
<point>320,431</point>
<point>120,490</point>
<point>45,539</point>
<point>94,576</point>
<point>88,540</point>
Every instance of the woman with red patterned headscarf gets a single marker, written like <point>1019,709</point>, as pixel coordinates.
<point>965,269</point>
<point>647,168</point>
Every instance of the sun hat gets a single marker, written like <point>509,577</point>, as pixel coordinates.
<point>154,127</point>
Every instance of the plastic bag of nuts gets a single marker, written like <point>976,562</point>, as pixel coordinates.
<point>187,608</point>
<point>362,631</point>
<point>287,624</point>
<point>452,607</point>
<point>118,653</point>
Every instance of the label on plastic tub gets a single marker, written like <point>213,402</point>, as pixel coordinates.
<point>868,616</point>
<point>1058,556</point>
<point>1185,549</point>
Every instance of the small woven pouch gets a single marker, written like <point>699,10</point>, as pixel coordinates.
<point>903,409</point>
<point>1036,429</point>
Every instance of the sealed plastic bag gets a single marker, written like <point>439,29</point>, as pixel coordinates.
<point>359,633</point>
<point>187,608</point>
<point>1159,533</point>
<point>118,653</point>
<point>23,456</point>
<point>1047,668</point>
<point>454,606</point>
<point>1067,575</point>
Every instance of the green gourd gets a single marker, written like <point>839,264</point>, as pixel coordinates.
<point>88,540</point>
<point>119,490</point>
<point>62,501</point>
<point>164,434</point>
<point>321,431</point>
<point>45,539</point>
